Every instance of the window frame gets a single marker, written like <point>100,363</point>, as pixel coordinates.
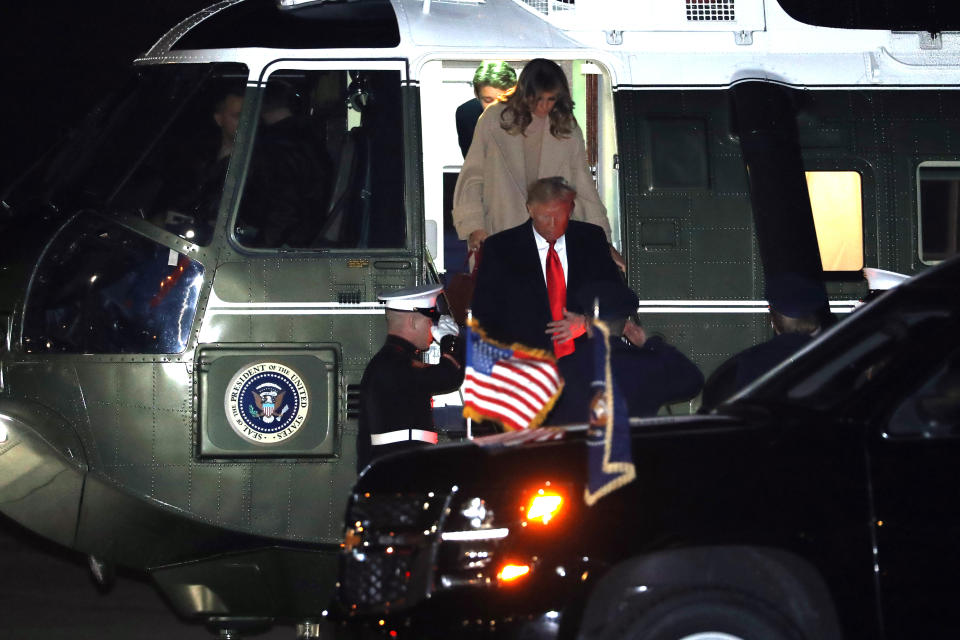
<point>863,218</point>
<point>249,127</point>
<point>432,173</point>
<point>142,233</point>
<point>932,164</point>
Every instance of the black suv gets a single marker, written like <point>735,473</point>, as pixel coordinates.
<point>822,502</point>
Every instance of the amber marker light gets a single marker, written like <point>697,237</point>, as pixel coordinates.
<point>512,572</point>
<point>544,506</point>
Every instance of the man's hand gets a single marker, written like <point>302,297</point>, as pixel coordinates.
<point>570,326</point>
<point>476,239</point>
<point>617,259</point>
<point>634,333</point>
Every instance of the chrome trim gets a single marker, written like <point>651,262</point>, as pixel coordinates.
<point>727,306</point>
<point>165,43</point>
<point>403,435</point>
<point>483,534</point>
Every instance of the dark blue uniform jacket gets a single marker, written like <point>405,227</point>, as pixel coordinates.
<point>649,377</point>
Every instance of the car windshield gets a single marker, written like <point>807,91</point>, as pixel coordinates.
<point>860,352</point>
<point>155,150</point>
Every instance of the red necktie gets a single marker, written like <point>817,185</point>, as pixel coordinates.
<point>557,292</point>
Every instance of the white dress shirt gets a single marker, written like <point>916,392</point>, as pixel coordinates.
<point>543,247</point>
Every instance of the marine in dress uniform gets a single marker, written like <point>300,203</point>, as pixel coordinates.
<point>649,372</point>
<point>396,388</point>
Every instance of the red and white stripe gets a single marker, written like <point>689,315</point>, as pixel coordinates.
<point>516,438</point>
<point>516,390</point>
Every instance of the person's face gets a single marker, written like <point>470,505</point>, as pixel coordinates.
<point>422,331</point>
<point>544,103</point>
<point>228,117</point>
<point>550,219</point>
<point>488,95</point>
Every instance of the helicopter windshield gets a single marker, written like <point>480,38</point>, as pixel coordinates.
<point>157,150</point>
<point>101,288</point>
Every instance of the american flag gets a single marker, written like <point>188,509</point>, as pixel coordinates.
<point>515,386</point>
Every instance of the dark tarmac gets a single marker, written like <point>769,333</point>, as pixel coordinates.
<point>47,593</point>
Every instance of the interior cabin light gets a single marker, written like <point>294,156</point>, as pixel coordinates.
<point>511,572</point>
<point>544,506</point>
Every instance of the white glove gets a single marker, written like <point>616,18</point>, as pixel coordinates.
<point>446,326</point>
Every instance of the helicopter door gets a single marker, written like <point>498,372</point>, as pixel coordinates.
<point>322,224</point>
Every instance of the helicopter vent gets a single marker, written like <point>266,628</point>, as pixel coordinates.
<point>353,296</point>
<point>550,7</point>
<point>353,401</point>
<point>711,11</point>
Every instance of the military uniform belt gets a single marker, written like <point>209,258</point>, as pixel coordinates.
<point>403,435</point>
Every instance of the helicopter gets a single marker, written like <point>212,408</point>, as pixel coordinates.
<point>193,298</point>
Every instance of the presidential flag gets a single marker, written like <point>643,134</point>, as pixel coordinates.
<point>512,385</point>
<point>609,458</point>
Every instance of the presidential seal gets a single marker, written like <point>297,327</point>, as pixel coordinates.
<point>266,403</point>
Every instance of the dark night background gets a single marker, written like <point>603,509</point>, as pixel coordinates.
<point>61,56</point>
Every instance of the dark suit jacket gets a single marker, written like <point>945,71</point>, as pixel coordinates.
<point>510,298</point>
<point>467,115</point>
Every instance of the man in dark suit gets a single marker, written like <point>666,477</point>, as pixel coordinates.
<point>467,115</point>
<point>525,272</point>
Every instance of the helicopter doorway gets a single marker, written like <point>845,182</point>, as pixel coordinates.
<point>447,84</point>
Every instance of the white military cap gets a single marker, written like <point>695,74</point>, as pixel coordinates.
<point>422,298</point>
<point>881,280</point>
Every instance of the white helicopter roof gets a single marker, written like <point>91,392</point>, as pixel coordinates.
<point>641,43</point>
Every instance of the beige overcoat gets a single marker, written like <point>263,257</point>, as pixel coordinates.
<point>491,192</point>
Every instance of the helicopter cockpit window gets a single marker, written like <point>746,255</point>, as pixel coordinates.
<point>155,151</point>
<point>101,288</point>
<point>326,170</point>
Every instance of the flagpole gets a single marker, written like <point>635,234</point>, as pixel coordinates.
<point>469,421</point>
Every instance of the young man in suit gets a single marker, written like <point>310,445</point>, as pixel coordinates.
<point>491,80</point>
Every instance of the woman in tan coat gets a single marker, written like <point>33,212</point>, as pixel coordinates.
<point>531,135</point>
